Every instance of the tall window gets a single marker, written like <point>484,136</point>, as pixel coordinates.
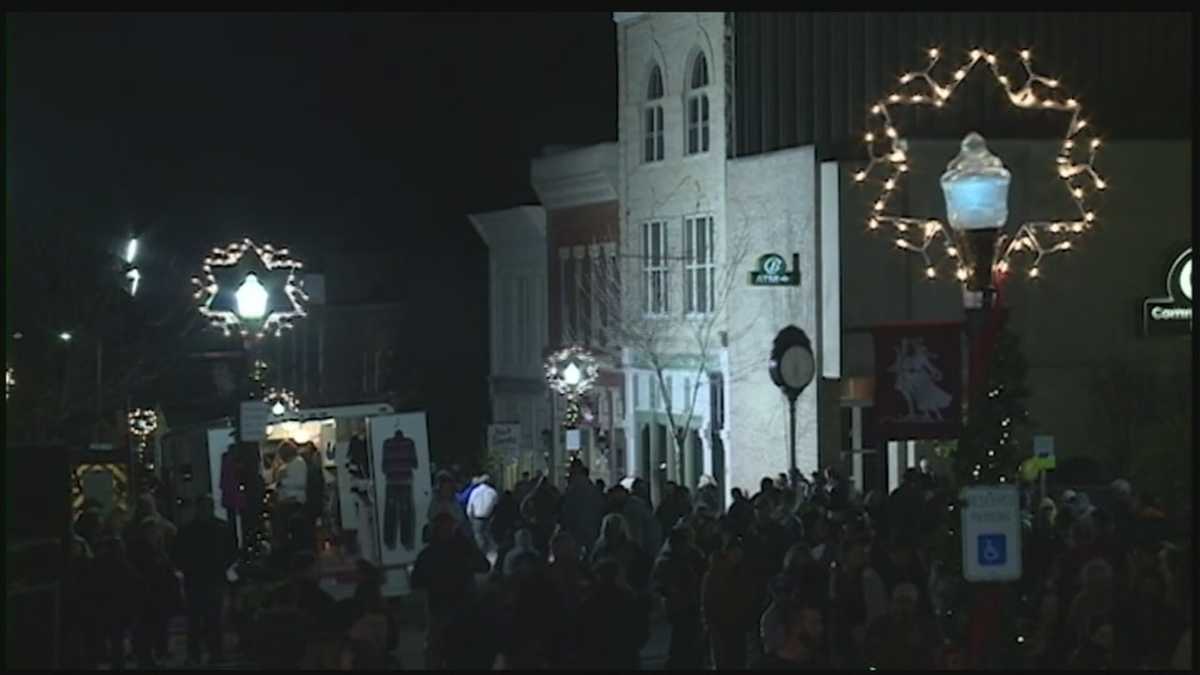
<point>699,266</point>
<point>654,268</point>
<point>697,107</point>
<point>652,118</point>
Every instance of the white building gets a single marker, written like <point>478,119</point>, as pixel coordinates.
<point>516,240</point>
<point>693,226</point>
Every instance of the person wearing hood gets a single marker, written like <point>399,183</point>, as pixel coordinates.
<point>639,520</point>
<point>614,623</point>
<point>522,546</point>
<point>150,542</point>
<point>571,581</point>
<point>727,602</point>
<point>539,511</point>
<point>582,506</point>
<point>678,574</point>
<point>708,495</point>
<point>616,542</point>
<point>802,641</point>
<point>904,638</point>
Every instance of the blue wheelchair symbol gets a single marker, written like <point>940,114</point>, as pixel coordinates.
<point>993,550</point>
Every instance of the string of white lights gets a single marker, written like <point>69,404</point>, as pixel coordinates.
<point>1035,238</point>
<point>571,371</point>
<point>272,259</point>
<point>286,398</point>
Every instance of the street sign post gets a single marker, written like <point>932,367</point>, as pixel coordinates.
<point>254,418</point>
<point>991,533</point>
<point>505,438</point>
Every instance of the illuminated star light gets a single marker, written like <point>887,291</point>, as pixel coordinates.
<point>887,147</point>
<point>282,401</point>
<point>571,371</point>
<point>270,260</point>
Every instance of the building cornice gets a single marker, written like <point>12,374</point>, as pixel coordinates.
<point>626,17</point>
<point>576,177</point>
<point>522,224</point>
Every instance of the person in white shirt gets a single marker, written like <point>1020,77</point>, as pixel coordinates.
<point>479,509</point>
<point>291,483</point>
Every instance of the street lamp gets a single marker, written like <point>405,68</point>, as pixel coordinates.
<point>792,368</point>
<point>251,299</point>
<point>65,336</point>
<point>975,187</point>
<point>143,422</point>
<point>250,289</point>
<point>571,372</point>
<point>282,401</point>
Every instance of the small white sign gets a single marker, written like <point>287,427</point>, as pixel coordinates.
<point>991,533</point>
<point>254,419</point>
<point>574,439</point>
<point>1043,447</point>
<point>505,438</point>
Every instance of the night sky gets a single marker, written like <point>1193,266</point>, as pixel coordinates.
<point>360,140</point>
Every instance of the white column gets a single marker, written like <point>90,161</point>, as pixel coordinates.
<point>831,279</point>
<point>894,461</point>
<point>910,454</point>
<point>726,431</point>
<point>631,436</point>
<point>581,300</point>
<point>564,320</point>
<point>706,442</point>
<point>594,296</point>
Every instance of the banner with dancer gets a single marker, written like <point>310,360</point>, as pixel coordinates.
<point>918,380</point>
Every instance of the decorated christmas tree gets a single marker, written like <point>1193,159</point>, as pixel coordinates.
<point>995,440</point>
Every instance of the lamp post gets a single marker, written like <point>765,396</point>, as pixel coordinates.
<point>792,368</point>
<point>253,292</point>
<point>571,372</point>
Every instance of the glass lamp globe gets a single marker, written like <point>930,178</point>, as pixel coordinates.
<point>278,408</point>
<point>572,375</point>
<point>251,298</point>
<point>975,186</point>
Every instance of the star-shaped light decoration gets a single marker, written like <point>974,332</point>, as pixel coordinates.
<point>572,372</point>
<point>1075,166</point>
<point>282,401</point>
<point>143,422</point>
<point>254,295</point>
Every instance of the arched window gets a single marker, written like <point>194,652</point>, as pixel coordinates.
<point>696,107</point>
<point>652,118</point>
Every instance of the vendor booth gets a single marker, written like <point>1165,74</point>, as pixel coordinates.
<point>365,493</point>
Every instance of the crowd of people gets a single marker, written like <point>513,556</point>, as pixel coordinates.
<point>130,576</point>
<point>805,573</point>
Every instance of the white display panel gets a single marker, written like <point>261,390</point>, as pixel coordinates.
<point>219,442</point>
<point>395,550</point>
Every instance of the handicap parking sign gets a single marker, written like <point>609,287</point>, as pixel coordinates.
<point>991,533</point>
<point>993,550</point>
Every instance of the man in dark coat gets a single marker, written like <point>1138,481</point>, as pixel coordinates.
<point>204,554</point>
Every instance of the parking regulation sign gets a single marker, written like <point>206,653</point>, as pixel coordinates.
<point>991,529</point>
